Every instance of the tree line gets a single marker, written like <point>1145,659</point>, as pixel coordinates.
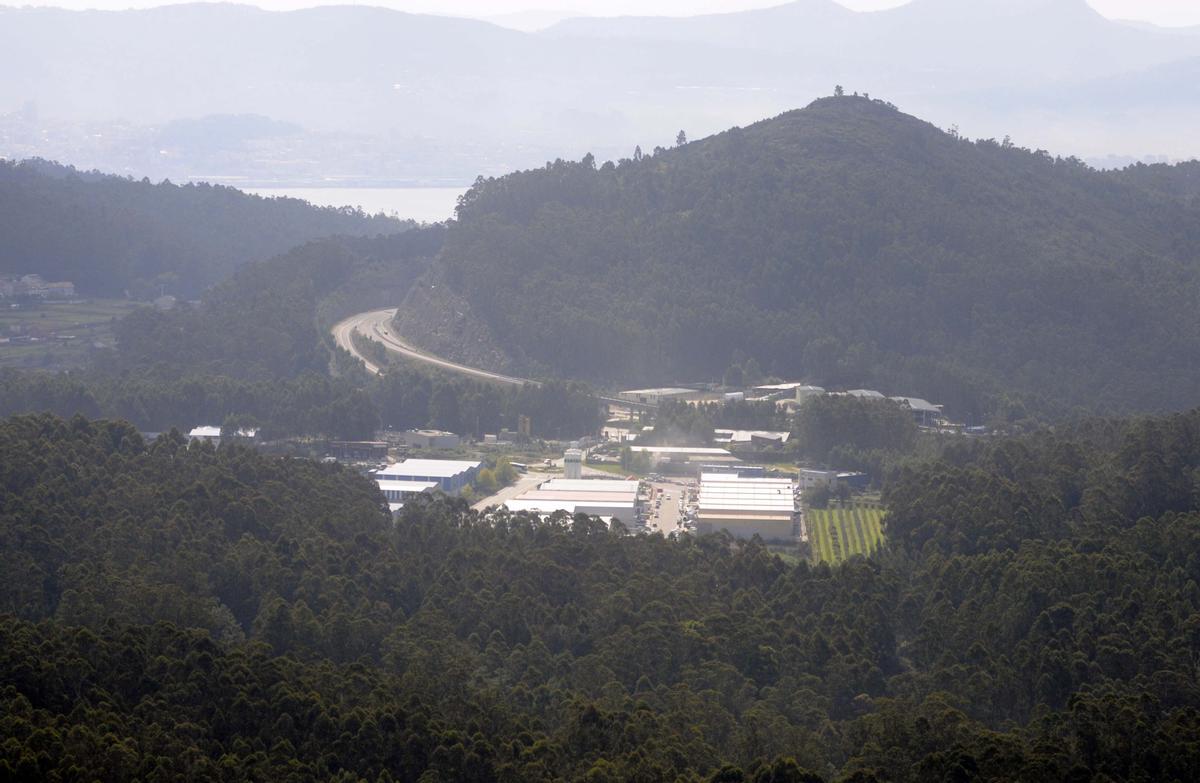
<point>114,236</point>
<point>257,349</point>
<point>173,610</point>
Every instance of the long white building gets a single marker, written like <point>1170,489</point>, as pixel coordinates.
<point>747,506</point>
<point>605,498</point>
<point>451,475</point>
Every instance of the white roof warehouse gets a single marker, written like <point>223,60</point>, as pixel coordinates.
<point>451,475</point>
<point>605,498</point>
<point>747,506</point>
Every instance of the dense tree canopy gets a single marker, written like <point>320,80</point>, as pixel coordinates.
<point>172,611</point>
<point>270,319</point>
<point>257,348</point>
<point>853,432</point>
<point>853,245</point>
<point>109,235</point>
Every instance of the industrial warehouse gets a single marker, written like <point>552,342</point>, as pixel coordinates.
<point>608,499</point>
<point>397,492</point>
<point>747,506</point>
<point>681,455</point>
<point>449,475</point>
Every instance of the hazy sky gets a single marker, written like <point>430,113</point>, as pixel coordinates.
<point>1163,12</point>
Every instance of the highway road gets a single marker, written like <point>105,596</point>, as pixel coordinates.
<point>377,325</point>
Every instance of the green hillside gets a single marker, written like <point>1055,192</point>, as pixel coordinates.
<point>847,243</point>
<point>110,235</point>
<point>174,612</point>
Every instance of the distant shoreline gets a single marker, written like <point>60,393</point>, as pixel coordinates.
<point>253,183</point>
<point>423,203</point>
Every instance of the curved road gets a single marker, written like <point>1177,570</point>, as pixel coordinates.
<point>376,325</point>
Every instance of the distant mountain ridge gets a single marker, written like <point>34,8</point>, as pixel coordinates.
<point>924,34</point>
<point>413,96</point>
<point>849,244</point>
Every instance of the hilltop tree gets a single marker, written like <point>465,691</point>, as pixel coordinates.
<point>765,237</point>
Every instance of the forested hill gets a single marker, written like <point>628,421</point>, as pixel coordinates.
<point>109,234</point>
<point>175,612</point>
<point>847,243</point>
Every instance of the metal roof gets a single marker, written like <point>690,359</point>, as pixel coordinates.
<point>542,506</point>
<point>405,486</point>
<point>742,516</point>
<point>682,450</point>
<point>605,486</point>
<point>733,478</point>
<point>438,468</point>
<point>215,432</point>
<point>918,404</point>
<point>585,498</point>
<point>725,495</point>
<point>746,436</point>
<point>598,497</point>
<point>660,392</point>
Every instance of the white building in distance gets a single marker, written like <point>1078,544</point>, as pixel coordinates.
<point>608,499</point>
<point>573,464</point>
<point>451,475</point>
<point>747,506</point>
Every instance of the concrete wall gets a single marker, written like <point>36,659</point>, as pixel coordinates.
<point>767,530</point>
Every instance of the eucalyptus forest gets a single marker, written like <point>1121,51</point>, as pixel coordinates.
<point>176,611</point>
<point>945,387</point>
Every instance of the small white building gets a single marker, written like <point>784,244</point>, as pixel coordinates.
<point>660,454</point>
<point>805,392</point>
<point>212,434</point>
<point>656,396</point>
<point>811,479</point>
<point>573,464</point>
<point>207,432</point>
<point>430,439</point>
<point>924,412</point>
<point>760,438</point>
<point>866,394</point>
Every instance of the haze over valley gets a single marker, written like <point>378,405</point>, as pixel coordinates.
<point>351,95</point>
<point>744,394</point>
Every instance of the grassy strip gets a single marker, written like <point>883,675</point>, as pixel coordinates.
<point>844,532</point>
<point>855,522</point>
<point>878,520</point>
<point>816,532</point>
<point>872,519</point>
<point>838,548</point>
<point>869,529</point>
<point>818,540</point>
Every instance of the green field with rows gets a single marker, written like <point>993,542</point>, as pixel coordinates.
<point>837,533</point>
